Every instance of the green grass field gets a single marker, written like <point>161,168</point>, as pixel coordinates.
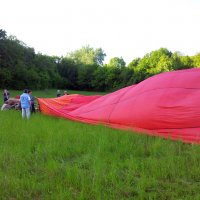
<point>51,93</point>
<point>57,159</point>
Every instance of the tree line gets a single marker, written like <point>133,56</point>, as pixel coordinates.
<point>82,69</point>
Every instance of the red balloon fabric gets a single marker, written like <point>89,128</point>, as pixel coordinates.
<point>166,105</point>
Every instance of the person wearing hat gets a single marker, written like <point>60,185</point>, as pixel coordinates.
<point>25,101</point>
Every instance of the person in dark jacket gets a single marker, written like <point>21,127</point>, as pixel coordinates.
<point>32,101</point>
<point>58,93</point>
<point>6,95</point>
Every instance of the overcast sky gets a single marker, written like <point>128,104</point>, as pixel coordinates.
<point>122,28</point>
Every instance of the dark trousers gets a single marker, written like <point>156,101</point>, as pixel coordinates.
<point>32,108</point>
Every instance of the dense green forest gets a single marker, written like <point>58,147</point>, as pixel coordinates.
<point>83,69</point>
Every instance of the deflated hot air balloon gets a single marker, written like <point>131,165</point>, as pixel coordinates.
<point>166,105</point>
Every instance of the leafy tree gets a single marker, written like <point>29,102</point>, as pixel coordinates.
<point>117,62</point>
<point>99,81</point>
<point>177,65</point>
<point>153,63</point>
<point>126,77</point>
<point>164,64</point>
<point>85,76</point>
<point>3,34</point>
<point>196,60</point>
<point>134,63</point>
<point>186,62</point>
<point>112,78</point>
<point>82,69</point>
<point>88,56</point>
<point>5,77</point>
<point>47,69</point>
<point>99,56</point>
<point>68,70</point>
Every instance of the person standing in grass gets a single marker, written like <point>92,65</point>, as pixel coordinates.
<point>32,101</point>
<point>65,92</point>
<point>25,101</point>
<point>58,93</point>
<point>5,95</point>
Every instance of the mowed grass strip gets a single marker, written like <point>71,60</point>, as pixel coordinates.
<point>53,158</point>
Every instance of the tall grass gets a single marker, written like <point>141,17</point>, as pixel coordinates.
<point>52,158</point>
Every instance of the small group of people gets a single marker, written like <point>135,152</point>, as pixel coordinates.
<point>10,103</point>
<point>58,94</point>
<point>25,102</point>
